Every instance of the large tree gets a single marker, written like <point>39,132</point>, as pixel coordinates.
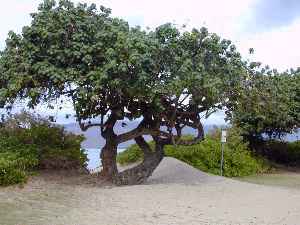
<point>111,72</point>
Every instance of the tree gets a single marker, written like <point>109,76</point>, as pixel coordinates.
<point>111,72</point>
<point>269,104</point>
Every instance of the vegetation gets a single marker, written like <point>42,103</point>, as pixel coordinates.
<point>280,152</point>
<point>206,155</point>
<point>269,105</point>
<point>163,78</point>
<point>269,108</point>
<point>112,72</point>
<point>14,166</point>
<point>28,142</point>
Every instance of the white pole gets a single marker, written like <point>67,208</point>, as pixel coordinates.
<point>223,140</point>
<point>222,158</point>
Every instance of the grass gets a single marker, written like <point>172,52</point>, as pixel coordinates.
<point>279,178</point>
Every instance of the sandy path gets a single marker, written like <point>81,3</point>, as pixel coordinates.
<point>175,194</point>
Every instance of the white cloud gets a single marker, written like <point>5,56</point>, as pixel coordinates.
<point>278,48</point>
<point>14,14</point>
<point>219,16</point>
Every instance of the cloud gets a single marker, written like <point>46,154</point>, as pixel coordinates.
<point>14,15</point>
<point>221,17</point>
<point>271,14</point>
<point>278,48</point>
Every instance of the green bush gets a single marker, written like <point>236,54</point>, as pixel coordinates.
<point>28,142</point>
<point>206,155</point>
<point>10,176</point>
<point>63,159</point>
<point>14,167</point>
<point>132,154</point>
<point>286,153</point>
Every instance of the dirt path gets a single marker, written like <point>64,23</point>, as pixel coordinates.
<point>176,194</point>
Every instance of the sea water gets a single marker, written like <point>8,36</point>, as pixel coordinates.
<point>93,155</point>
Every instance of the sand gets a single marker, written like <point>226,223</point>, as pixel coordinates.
<point>175,194</point>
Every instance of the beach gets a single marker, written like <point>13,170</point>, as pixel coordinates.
<point>175,194</point>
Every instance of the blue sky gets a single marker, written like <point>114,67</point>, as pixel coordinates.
<point>271,27</point>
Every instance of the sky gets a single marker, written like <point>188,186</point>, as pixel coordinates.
<point>271,27</point>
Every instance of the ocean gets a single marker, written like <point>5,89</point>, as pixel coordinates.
<point>93,155</point>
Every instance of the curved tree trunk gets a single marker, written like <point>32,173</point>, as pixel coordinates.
<point>110,150</point>
<point>140,173</point>
<point>152,158</point>
<point>108,158</point>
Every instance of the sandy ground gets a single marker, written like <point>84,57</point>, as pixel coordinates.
<point>176,194</point>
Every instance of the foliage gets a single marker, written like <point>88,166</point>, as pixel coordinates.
<point>95,59</point>
<point>113,72</point>
<point>29,142</point>
<point>206,155</point>
<point>106,67</point>
<point>14,167</point>
<point>63,158</point>
<point>131,155</point>
<point>269,104</point>
<point>286,153</point>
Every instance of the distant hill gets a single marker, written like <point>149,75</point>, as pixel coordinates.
<point>95,140</point>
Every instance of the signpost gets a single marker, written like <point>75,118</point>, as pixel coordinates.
<point>223,141</point>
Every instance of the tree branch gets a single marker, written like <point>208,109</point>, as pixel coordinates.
<point>85,127</point>
<point>139,131</point>
<point>140,141</point>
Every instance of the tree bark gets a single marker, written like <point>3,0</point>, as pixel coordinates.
<point>152,158</point>
<point>108,158</point>
<point>110,150</point>
<point>140,173</point>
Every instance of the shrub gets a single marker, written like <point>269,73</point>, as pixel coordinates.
<point>14,167</point>
<point>10,176</point>
<point>132,154</point>
<point>63,159</point>
<point>287,153</point>
<point>206,155</point>
<point>29,142</point>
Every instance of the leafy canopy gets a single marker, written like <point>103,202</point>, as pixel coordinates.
<point>107,68</point>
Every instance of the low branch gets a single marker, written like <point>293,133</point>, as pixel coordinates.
<point>139,131</point>
<point>144,146</point>
<point>85,127</point>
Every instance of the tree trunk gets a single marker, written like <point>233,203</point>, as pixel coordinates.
<point>108,158</point>
<point>110,150</point>
<point>140,173</point>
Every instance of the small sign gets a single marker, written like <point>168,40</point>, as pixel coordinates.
<point>223,136</point>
